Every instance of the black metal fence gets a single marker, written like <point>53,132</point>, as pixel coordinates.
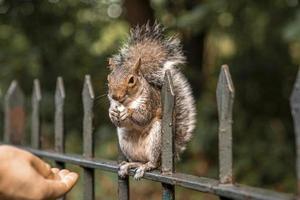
<point>225,188</point>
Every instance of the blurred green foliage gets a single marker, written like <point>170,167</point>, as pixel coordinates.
<point>259,40</point>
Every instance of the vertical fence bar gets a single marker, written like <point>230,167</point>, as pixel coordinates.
<point>168,130</point>
<point>295,107</point>
<point>59,119</point>
<point>35,115</point>
<point>14,115</point>
<point>225,98</point>
<point>88,98</point>
<point>123,183</point>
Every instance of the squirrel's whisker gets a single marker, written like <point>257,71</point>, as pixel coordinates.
<point>101,96</point>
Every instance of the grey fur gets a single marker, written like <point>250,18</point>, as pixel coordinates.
<point>152,34</point>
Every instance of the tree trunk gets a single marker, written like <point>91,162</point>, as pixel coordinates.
<point>138,12</point>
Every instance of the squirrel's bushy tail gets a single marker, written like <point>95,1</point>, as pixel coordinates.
<point>185,110</point>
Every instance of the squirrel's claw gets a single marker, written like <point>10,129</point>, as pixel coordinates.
<point>139,173</point>
<point>123,169</point>
<point>122,163</point>
<point>122,173</point>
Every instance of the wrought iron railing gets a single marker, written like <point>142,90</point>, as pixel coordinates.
<point>225,188</point>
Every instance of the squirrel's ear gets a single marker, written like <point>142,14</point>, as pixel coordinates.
<point>137,65</point>
<point>111,65</point>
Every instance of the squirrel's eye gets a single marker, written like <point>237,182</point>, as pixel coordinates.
<point>131,81</point>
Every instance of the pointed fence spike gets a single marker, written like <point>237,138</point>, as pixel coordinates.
<point>295,108</point>
<point>225,99</point>
<point>88,91</point>
<point>37,95</point>
<point>14,114</point>
<point>88,98</point>
<point>60,90</point>
<point>35,115</point>
<point>168,132</point>
<point>59,119</point>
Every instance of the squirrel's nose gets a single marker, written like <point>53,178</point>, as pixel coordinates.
<point>118,97</point>
<point>115,97</point>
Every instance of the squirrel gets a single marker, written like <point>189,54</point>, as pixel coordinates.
<point>134,91</point>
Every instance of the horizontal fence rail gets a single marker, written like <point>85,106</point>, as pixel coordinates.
<point>225,187</point>
<point>201,184</point>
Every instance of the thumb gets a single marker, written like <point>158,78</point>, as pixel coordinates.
<point>41,167</point>
<point>58,188</point>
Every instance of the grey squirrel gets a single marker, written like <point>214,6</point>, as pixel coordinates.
<point>134,83</point>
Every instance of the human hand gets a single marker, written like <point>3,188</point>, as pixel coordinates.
<point>24,176</point>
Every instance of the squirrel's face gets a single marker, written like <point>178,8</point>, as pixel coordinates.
<point>123,83</point>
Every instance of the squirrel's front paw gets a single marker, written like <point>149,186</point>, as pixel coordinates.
<point>113,114</point>
<point>124,113</point>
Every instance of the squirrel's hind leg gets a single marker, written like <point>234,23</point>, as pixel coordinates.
<point>124,167</point>
<point>139,172</point>
<point>153,149</point>
<point>141,168</point>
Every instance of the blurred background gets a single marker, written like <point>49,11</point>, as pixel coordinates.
<point>259,40</point>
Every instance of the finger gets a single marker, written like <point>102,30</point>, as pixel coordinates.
<point>54,175</point>
<point>124,116</point>
<point>41,167</point>
<point>113,118</point>
<point>113,113</point>
<point>55,170</point>
<point>63,173</point>
<point>116,119</point>
<point>58,188</point>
